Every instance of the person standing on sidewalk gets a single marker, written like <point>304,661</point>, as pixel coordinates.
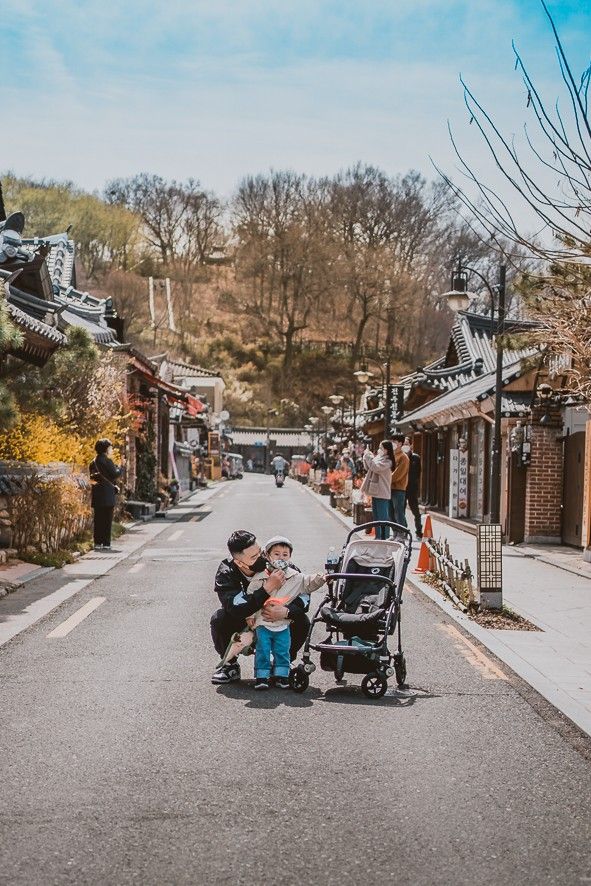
<point>377,483</point>
<point>103,497</point>
<point>399,481</point>
<point>412,490</point>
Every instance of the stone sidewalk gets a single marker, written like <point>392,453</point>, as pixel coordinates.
<point>40,590</point>
<point>555,661</point>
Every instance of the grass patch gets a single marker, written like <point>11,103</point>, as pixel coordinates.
<point>56,559</point>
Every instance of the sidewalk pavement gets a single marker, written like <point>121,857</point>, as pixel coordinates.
<point>555,661</point>
<point>35,600</point>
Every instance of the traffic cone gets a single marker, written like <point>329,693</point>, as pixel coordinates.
<point>424,560</point>
<point>427,528</point>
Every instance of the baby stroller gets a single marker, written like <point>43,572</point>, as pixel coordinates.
<point>360,611</point>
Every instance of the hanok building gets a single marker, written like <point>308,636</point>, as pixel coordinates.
<point>546,454</point>
<point>40,285</point>
<point>29,294</point>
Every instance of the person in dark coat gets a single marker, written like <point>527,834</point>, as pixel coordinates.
<point>231,584</point>
<point>412,489</point>
<point>103,475</point>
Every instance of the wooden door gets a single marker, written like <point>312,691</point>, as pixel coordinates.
<point>572,489</point>
<point>516,486</point>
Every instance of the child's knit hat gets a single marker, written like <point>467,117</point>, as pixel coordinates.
<point>278,540</point>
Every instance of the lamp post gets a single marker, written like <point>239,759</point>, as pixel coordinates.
<point>361,376</point>
<point>270,412</point>
<point>459,299</point>
<point>339,400</point>
<point>314,422</point>
<point>328,411</point>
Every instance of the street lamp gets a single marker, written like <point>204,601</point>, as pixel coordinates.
<point>270,412</point>
<point>458,299</point>
<point>328,411</point>
<point>339,400</point>
<point>314,422</point>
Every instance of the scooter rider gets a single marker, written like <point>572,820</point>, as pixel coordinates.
<point>231,584</point>
<point>279,465</point>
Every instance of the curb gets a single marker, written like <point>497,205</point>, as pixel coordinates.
<point>552,693</point>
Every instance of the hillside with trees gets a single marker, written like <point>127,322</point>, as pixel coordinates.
<point>284,287</point>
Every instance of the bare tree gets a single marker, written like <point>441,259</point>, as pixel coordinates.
<point>550,174</point>
<point>280,227</point>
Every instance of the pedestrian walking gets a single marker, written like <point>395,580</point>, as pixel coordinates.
<point>412,489</point>
<point>399,480</point>
<point>377,483</point>
<point>103,474</point>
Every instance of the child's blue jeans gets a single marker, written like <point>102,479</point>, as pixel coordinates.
<point>274,643</point>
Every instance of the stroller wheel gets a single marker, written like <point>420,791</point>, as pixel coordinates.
<point>299,679</point>
<point>374,685</point>
<point>400,668</point>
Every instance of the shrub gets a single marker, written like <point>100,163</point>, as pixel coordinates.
<point>48,513</point>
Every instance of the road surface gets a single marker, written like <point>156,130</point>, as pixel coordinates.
<point>122,764</point>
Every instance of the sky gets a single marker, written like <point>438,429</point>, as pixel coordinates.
<point>221,89</point>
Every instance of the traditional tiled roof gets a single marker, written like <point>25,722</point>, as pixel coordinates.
<point>282,436</point>
<point>47,282</point>
<point>178,369</point>
<point>471,353</point>
<point>461,401</point>
<point>39,339</point>
<point>59,259</point>
<point>24,320</point>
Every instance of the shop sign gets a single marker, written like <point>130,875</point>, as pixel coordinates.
<point>462,483</point>
<point>454,476</point>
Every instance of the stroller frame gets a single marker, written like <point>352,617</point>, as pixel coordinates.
<point>384,664</point>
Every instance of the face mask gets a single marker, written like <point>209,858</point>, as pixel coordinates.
<point>279,564</point>
<point>258,565</point>
<point>406,449</point>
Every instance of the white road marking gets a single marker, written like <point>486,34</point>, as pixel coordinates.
<point>74,620</point>
<point>472,654</point>
<point>176,535</point>
<point>14,624</point>
<point>136,567</point>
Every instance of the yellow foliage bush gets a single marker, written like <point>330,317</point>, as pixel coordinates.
<point>38,439</point>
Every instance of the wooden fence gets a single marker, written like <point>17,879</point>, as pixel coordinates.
<point>455,577</point>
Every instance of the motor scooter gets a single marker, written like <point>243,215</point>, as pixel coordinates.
<point>279,479</point>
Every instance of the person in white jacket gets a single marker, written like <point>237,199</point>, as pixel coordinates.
<point>273,639</point>
<point>377,483</point>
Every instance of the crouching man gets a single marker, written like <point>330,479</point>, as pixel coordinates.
<point>231,584</point>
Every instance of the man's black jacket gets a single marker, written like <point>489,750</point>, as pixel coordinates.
<point>231,586</point>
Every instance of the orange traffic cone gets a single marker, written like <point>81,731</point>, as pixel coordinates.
<point>424,560</point>
<point>427,528</point>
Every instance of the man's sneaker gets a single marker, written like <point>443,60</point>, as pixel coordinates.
<point>282,682</point>
<point>261,683</point>
<point>228,673</point>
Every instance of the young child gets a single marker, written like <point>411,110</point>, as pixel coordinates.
<point>273,638</point>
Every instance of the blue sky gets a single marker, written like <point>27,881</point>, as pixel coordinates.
<point>220,89</point>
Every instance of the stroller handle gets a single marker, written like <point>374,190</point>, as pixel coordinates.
<point>396,526</point>
<point>382,578</point>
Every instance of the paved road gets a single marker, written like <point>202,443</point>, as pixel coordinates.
<point>122,764</point>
